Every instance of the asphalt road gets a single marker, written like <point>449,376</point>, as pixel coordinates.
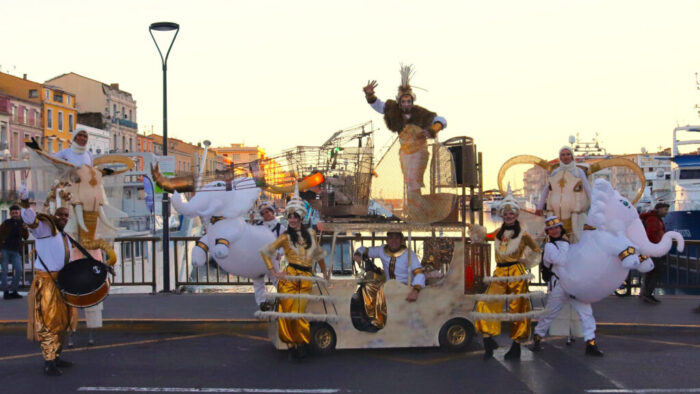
<point>240,359</point>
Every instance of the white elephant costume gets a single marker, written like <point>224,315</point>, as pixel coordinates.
<point>600,261</point>
<point>229,239</point>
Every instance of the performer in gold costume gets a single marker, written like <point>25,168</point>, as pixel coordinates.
<point>49,316</point>
<point>510,277</point>
<point>302,251</point>
<point>415,125</point>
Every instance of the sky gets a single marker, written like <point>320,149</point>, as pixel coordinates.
<point>519,77</point>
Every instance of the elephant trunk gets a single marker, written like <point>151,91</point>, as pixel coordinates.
<point>192,208</point>
<point>637,234</point>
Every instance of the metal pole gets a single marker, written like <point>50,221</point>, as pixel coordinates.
<point>165,26</point>
<point>166,195</point>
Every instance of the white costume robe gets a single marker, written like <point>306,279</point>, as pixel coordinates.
<point>401,268</point>
<point>557,297</point>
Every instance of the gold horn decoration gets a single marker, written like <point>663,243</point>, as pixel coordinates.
<point>179,183</point>
<point>521,159</point>
<point>310,181</point>
<point>114,159</point>
<point>620,162</point>
<point>104,245</point>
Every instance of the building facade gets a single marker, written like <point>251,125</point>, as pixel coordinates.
<point>104,106</point>
<point>23,122</point>
<point>60,118</point>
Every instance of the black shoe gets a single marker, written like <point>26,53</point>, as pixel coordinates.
<point>50,368</point>
<point>265,306</point>
<point>15,295</point>
<point>592,349</point>
<point>6,295</point>
<point>514,352</point>
<point>63,363</point>
<point>490,345</point>
<point>536,343</point>
<point>654,299</point>
<point>649,299</point>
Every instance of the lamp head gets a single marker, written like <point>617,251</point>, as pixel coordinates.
<point>164,26</point>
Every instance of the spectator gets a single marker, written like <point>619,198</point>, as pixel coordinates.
<point>12,232</point>
<point>654,225</point>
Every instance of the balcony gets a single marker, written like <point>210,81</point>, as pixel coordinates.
<point>127,123</point>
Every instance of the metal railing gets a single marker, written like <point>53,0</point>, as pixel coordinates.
<point>138,263</point>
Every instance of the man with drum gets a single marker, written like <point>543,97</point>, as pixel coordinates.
<point>49,315</point>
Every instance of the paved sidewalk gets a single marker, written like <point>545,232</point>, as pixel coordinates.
<point>613,314</point>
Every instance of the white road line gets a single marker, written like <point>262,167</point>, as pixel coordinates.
<point>205,390</point>
<point>688,390</point>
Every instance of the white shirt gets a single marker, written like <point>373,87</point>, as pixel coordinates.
<point>77,159</point>
<point>53,249</point>
<point>272,224</point>
<point>400,266</point>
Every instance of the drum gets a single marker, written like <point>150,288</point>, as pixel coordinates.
<point>83,282</point>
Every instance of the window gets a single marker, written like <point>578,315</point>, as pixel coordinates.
<point>48,93</point>
<point>115,141</point>
<point>68,98</point>
<point>60,121</point>
<point>60,145</point>
<point>124,112</point>
<point>70,122</point>
<point>37,118</point>
<point>131,144</point>
<point>33,93</point>
<point>14,112</point>
<point>130,117</point>
<point>58,97</point>
<point>49,118</point>
<point>123,142</point>
<point>26,115</point>
<point>114,110</point>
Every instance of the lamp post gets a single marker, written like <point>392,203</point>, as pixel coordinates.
<point>165,26</point>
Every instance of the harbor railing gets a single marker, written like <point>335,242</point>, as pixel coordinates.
<point>139,264</point>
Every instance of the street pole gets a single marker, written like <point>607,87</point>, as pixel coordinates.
<point>165,26</point>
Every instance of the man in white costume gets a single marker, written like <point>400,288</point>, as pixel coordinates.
<point>77,154</point>
<point>267,213</point>
<point>555,251</point>
<point>398,263</point>
<point>49,316</point>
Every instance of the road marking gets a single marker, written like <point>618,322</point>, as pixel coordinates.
<point>115,345</point>
<point>255,337</point>
<point>207,390</point>
<point>654,341</point>
<point>688,390</point>
<point>431,361</point>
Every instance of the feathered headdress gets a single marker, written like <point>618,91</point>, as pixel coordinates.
<point>405,87</point>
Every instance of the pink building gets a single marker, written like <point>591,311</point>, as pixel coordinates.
<point>25,122</point>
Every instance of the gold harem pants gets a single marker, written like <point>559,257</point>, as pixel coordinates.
<point>375,302</point>
<point>294,331</point>
<point>520,329</point>
<point>49,316</point>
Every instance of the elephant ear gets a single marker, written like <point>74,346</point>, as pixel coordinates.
<point>600,197</point>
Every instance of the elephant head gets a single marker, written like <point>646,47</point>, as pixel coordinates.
<point>612,212</point>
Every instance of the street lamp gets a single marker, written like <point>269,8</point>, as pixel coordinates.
<point>165,26</point>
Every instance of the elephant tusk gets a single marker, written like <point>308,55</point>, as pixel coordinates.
<point>305,184</point>
<point>80,218</point>
<point>521,159</point>
<point>105,219</point>
<point>180,183</point>
<point>620,162</point>
<point>115,159</point>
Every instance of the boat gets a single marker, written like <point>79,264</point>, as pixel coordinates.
<point>684,195</point>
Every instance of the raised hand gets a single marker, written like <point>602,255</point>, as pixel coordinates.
<point>369,88</point>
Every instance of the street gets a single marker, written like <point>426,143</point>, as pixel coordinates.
<point>239,358</point>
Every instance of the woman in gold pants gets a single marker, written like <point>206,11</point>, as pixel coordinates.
<point>510,277</point>
<point>302,251</point>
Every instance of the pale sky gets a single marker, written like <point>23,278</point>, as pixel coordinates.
<point>517,76</point>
